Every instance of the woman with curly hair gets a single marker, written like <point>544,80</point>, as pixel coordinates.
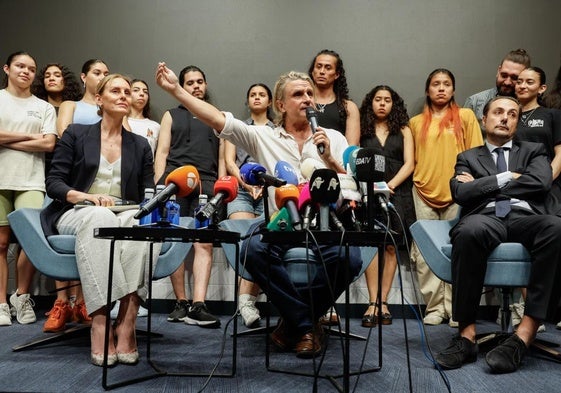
<point>55,83</point>
<point>440,133</point>
<point>335,109</point>
<point>383,127</point>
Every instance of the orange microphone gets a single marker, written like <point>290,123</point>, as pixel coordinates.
<point>181,181</point>
<point>225,190</point>
<point>287,196</point>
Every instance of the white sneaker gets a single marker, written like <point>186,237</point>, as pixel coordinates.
<point>142,312</point>
<point>115,310</point>
<point>248,311</point>
<point>541,328</point>
<point>5,315</point>
<point>23,304</point>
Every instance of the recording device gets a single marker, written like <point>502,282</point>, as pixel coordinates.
<point>256,175</point>
<point>225,190</point>
<point>286,172</point>
<point>306,206</point>
<point>181,182</point>
<point>287,197</point>
<point>312,118</point>
<point>324,190</point>
<point>309,165</point>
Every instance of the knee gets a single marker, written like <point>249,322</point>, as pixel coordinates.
<point>102,217</point>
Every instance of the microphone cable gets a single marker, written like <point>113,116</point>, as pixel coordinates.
<point>425,344</point>
<point>230,319</point>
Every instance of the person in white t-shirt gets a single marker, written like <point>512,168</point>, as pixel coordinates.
<point>139,118</point>
<point>27,131</point>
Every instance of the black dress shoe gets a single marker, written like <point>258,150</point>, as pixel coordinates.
<point>460,351</point>
<point>507,356</point>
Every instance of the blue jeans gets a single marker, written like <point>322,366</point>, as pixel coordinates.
<point>296,301</point>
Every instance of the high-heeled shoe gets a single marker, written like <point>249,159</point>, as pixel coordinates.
<point>128,358</point>
<point>386,318</point>
<point>97,359</point>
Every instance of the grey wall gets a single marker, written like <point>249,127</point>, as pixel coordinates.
<point>244,41</point>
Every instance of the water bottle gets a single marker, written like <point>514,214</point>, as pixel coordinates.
<point>148,194</point>
<point>157,213</point>
<point>203,199</point>
<point>172,208</point>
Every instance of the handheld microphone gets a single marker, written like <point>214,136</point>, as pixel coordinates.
<point>256,175</point>
<point>305,206</point>
<point>312,118</point>
<point>225,190</point>
<point>286,172</point>
<point>287,196</point>
<point>309,165</point>
<point>324,189</point>
<point>181,182</point>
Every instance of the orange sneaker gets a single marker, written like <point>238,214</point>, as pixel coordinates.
<point>80,314</point>
<point>58,316</point>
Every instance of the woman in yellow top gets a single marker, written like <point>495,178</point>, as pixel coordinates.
<point>440,132</point>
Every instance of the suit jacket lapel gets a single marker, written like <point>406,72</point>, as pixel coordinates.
<point>486,160</point>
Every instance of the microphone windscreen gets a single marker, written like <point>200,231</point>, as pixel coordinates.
<point>249,173</point>
<point>370,167</point>
<point>311,113</point>
<point>227,185</point>
<point>286,193</point>
<point>305,197</point>
<point>186,178</point>
<point>349,188</point>
<point>347,155</point>
<point>308,166</point>
<point>324,186</point>
<point>285,171</point>
<point>352,160</point>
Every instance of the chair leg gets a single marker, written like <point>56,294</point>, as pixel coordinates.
<point>490,340</point>
<point>82,330</point>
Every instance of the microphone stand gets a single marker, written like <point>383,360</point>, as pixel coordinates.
<point>370,205</point>
<point>266,203</point>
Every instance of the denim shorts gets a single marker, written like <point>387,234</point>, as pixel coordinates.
<point>244,202</point>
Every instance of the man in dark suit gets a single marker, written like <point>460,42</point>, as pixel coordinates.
<point>501,203</point>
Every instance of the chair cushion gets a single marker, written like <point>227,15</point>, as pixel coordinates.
<point>504,252</point>
<point>66,244</point>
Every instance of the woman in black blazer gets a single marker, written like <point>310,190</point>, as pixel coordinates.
<point>97,165</point>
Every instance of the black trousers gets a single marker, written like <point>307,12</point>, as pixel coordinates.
<point>477,235</point>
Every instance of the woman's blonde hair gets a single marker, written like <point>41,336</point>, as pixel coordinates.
<point>103,83</point>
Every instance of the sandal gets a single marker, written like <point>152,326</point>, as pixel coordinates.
<point>386,318</point>
<point>370,320</point>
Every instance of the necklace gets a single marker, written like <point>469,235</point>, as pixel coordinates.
<point>321,107</point>
<point>526,117</point>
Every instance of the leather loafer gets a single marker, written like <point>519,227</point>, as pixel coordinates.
<point>460,351</point>
<point>310,344</point>
<point>128,358</point>
<point>507,356</point>
<point>281,338</point>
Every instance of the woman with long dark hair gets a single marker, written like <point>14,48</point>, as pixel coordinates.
<point>384,127</point>
<point>56,83</point>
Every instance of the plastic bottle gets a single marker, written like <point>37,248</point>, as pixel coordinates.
<point>156,214</point>
<point>203,199</point>
<point>148,194</point>
<point>173,210</point>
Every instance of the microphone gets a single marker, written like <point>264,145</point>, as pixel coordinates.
<point>312,118</point>
<point>309,165</point>
<point>352,161</point>
<point>225,190</point>
<point>324,189</point>
<point>256,175</point>
<point>287,197</point>
<point>347,156</point>
<point>370,167</point>
<point>349,189</point>
<point>305,206</point>
<point>181,182</point>
<point>382,194</point>
<point>285,171</point>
